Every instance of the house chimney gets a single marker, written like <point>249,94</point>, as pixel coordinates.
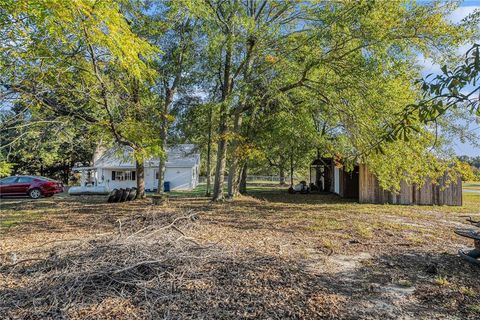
<point>98,153</point>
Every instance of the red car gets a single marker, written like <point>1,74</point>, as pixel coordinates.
<point>31,186</point>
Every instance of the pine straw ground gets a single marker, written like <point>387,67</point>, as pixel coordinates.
<point>268,256</point>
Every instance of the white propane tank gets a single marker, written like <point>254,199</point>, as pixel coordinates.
<point>92,190</point>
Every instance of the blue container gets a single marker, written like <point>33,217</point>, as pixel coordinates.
<point>166,186</point>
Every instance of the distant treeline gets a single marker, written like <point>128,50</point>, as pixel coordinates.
<point>473,161</point>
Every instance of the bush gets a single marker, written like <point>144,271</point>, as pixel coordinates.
<point>467,171</point>
<point>5,169</point>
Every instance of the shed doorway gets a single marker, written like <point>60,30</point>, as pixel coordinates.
<point>351,183</point>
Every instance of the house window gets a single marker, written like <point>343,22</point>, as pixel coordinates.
<point>123,175</point>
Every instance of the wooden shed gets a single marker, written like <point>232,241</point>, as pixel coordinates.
<point>346,183</point>
<point>361,184</point>
<point>431,193</point>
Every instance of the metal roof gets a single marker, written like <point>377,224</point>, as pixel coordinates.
<point>179,156</point>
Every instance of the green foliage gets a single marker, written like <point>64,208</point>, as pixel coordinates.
<point>285,138</point>
<point>46,26</point>
<point>473,161</point>
<point>452,90</point>
<point>353,75</point>
<point>80,62</point>
<point>284,78</point>
<point>5,169</point>
<point>467,171</point>
<point>194,121</point>
<point>35,145</point>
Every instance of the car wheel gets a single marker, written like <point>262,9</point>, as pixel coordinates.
<point>34,193</point>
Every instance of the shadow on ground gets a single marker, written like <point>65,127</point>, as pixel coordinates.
<point>266,258</point>
<point>215,282</point>
<point>282,196</point>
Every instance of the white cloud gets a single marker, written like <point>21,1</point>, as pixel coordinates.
<point>464,10</point>
<point>467,8</point>
<point>428,66</point>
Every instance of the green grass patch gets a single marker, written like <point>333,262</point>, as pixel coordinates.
<point>471,185</point>
<point>253,187</point>
<point>198,191</point>
<point>474,308</point>
<point>12,218</point>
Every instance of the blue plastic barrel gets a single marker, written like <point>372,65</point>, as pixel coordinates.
<point>166,186</point>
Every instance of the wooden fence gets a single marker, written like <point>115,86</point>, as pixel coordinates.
<point>431,193</point>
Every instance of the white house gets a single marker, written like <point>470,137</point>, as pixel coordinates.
<point>115,168</point>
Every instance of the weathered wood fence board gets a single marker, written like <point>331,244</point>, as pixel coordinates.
<point>349,183</point>
<point>430,193</point>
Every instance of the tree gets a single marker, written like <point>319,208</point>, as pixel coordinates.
<point>473,161</point>
<point>350,65</point>
<point>288,140</point>
<point>195,123</point>
<point>80,60</point>
<point>173,30</point>
<point>234,31</point>
<point>277,78</point>
<point>451,90</point>
<point>5,169</point>
<point>467,171</point>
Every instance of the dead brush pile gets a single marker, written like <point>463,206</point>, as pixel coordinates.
<point>81,277</point>
<point>153,267</point>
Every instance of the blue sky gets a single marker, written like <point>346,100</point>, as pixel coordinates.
<point>467,7</point>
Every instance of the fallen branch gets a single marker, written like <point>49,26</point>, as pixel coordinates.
<point>13,265</point>
<point>191,216</point>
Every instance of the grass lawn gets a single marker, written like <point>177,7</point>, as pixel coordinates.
<point>201,189</point>
<point>267,255</point>
<point>472,185</point>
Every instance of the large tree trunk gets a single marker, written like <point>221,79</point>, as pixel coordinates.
<point>66,173</point>
<point>209,154</point>
<point>161,172</point>
<point>233,179</point>
<point>223,126</point>
<point>232,171</point>
<point>282,175</point>
<point>242,188</point>
<point>140,179</point>
<point>221,158</point>
<point>163,140</point>
<point>291,171</point>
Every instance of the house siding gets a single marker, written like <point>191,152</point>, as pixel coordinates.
<point>179,178</point>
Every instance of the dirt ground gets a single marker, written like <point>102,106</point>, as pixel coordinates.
<point>270,255</point>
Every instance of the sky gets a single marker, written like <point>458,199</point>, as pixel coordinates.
<point>467,7</point>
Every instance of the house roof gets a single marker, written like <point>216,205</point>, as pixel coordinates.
<point>119,157</point>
